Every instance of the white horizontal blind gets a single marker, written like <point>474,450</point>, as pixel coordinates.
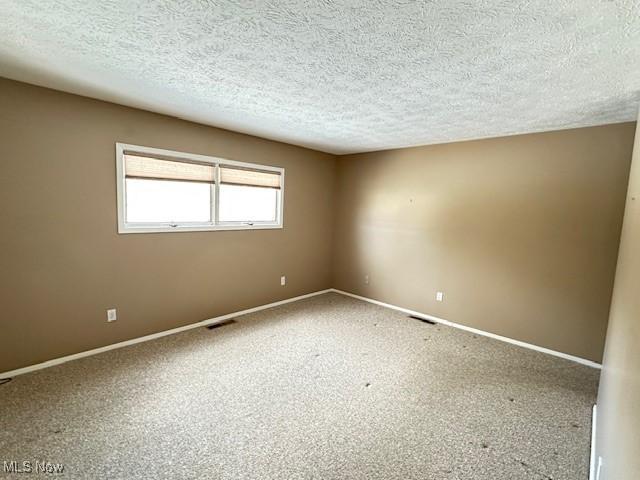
<point>249,178</point>
<point>136,166</point>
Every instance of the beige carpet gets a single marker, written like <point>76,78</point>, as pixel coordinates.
<point>325,388</point>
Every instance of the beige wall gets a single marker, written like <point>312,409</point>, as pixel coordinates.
<point>618,441</point>
<point>62,263</point>
<point>520,233</point>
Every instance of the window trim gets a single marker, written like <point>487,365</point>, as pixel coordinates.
<point>166,227</point>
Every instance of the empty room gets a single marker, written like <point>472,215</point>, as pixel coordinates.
<point>316,239</point>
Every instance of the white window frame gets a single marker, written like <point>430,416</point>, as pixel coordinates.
<point>214,225</point>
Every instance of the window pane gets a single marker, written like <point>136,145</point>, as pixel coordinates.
<point>247,204</point>
<point>167,201</point>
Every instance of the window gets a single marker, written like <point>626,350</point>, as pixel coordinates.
<point>165,191</point>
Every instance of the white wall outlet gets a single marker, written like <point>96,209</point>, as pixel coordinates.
<point>283,280</point>
<point>366,279</point>
<point>440,296</point>
<point>112,315</point>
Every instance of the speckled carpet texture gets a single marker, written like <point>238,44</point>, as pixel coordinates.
<point>325,388</point>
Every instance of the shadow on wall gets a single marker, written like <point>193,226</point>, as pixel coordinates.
<point>520,233</point>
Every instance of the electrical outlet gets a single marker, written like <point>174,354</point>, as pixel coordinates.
<point>283,280</point>
<point>366,279</point>
<point>112,315</point>
<point>440,296</point>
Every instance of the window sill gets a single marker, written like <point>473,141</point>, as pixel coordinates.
<point>126,229</point>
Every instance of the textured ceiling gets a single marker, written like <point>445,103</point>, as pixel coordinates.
<point>340,76</point>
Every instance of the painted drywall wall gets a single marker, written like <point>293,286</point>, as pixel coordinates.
<point>618,426</point>
<point>520,233</point>
<point>63,264</point>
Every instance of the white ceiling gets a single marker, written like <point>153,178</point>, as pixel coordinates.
<point>339,76</point>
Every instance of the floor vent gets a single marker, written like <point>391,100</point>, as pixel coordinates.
<point>4,380</point>
<point>423,320</point>
<point>221,324</point>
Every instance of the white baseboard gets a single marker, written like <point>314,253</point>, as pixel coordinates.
<point>592,458</point>
<point>537,348</point>
<point>146,338</point>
